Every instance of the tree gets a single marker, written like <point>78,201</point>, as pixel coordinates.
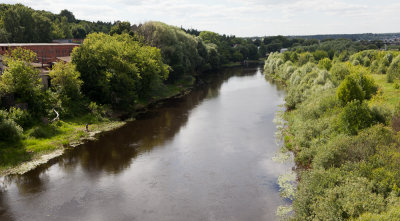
<point>23,80</point>
<point>350,90</point>
<point>70,17</point>
<point>121,28</point>
<point>325,63</point>
<point>179,50</point>
<point>118,70</point>
<point>339,71</point>
<point>354,117</point>
<point>66,82</point>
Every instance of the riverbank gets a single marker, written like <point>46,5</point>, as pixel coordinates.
<point>45,142</point>
<point>342,127</point>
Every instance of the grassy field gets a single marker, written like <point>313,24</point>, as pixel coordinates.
<point>387,94</point>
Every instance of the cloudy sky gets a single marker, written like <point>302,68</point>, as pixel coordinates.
<point>241,17</point>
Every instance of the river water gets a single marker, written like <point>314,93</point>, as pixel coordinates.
<point>206,156</point>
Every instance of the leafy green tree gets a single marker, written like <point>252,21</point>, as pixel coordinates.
<point>325,63</point>
<point>339,71</point>
<point>69,15</point>
<point>306,57</point>
<point>319,55</point>
<point>19,77</point>
<point>66,82</point>
<point>179,50</point>
<point>210,37</point>
<point>350,90</point>
<point>118,70</point>
<point>121,28</point>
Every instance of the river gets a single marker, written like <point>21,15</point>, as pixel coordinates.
<point>206,156</point>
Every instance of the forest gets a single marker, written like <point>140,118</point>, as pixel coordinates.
<point>342,124</point>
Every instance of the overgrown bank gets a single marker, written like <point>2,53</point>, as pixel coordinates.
<point>343,118</point>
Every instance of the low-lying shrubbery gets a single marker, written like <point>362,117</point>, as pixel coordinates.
<point>342,134</point>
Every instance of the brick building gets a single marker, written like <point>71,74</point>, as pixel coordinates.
<point>47,53</point>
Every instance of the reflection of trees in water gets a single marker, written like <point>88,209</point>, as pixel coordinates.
<point>4,210</point>
<point>114,151</point>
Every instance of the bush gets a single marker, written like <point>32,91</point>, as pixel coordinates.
<point>350,90</point>
<point>343,148</point>
<point>9,130</point>
<point>325,63</point>
<point>339,71</point>
<point>306,57</point>
<point>44,131</point>
<point>351,199</point>
<point>354,117</point>
<point>367,84</point>
<point>21,117</point>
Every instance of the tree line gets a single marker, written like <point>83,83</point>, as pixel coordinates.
<point>21,24</point>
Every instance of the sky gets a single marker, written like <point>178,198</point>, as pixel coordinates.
<point>243,18</point>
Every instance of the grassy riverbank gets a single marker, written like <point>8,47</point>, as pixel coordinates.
<point>342,124</point>
<point>42,142</point>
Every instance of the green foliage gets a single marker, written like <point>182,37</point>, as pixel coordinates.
<point>319,55</point>
<point>21,24</point>
<point>347,158</point>
<point>179,50</point>
<point>394,70</point>
<point>117,70</point>
<point>354,117</point>
<point>66,83</point>
<point>306,57</point>
<point>19,116</point>
<point>325,63</point>
<point>9,130</point>
<point>339,71</point>
<point>22,80</point>
<point>350,90</point>
<point>43,131</point>
<point>392,214</point>
<point>121,28</point>
<point>352,198</point>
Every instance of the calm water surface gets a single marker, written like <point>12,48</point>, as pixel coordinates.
<point>207,156</point>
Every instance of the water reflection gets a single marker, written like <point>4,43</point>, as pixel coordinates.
<point>183,154</point>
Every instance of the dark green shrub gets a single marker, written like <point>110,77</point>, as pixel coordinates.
<point>44,131</point>
<point>10,131</point>
<point>354,117</point>
<point>21,117</point>
<point>350,90</point>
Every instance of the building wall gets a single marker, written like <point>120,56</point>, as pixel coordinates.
<point>45,53</point>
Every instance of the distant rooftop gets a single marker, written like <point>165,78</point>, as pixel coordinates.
<point>33,44</point>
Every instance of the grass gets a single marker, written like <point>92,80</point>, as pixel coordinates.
<point>43,139</point>
<point>387,94</point>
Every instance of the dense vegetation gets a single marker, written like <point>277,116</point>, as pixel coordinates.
<point>342,126</point>
<point>21,24</point>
